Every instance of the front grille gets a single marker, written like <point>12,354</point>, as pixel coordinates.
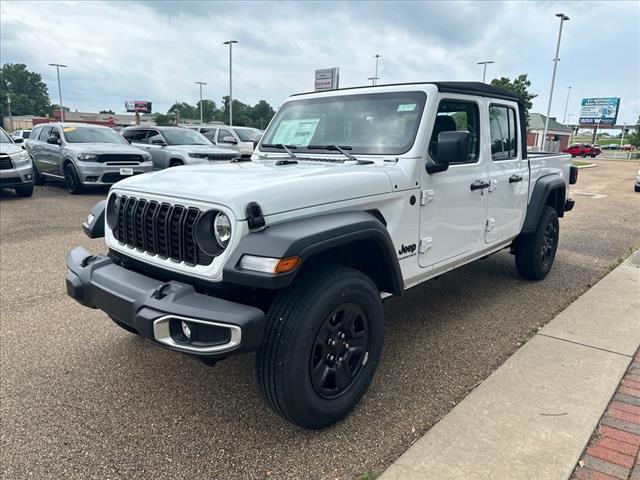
<point>160,229</point>
<point>119,158</point>
<point>113,177</point>
<point>220,157</point>
<point>9,180</point>
<point>5,162</point>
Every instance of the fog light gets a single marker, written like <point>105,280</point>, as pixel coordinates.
<point>186,330</point>
<point>28,176</point>
<point>92,179</point>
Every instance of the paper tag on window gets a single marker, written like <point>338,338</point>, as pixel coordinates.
<point>407,107</point>
<point>68,129</point>
<point>296,132</point>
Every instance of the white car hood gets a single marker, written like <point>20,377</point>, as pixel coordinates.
<point>277,188</point>
<point>10,148</point>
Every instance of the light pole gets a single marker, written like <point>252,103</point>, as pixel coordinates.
<point>11,118</point>
<point>58,65</point>
<point>375,78</point>
<point>484,73</point>
<point>201,106</point>
<point>562,18</point>
<point>230,43</point>
<point>564,117</point>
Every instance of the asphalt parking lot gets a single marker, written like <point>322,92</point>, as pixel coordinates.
<point>81,398</point>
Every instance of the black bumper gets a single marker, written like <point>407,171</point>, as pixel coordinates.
<point>14,182</point>
<point>156,309</point>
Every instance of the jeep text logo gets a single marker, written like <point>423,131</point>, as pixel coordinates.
<point>407,249</point>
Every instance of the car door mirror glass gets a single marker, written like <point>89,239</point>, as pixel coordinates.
<point>453,147</point>
<point>53,140</point>
<point>229,139</point>
<point>18,140</point>
<point>158,141</point>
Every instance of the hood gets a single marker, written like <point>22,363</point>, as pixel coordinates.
<point>10,148</point>
<point>98,148</point>
<point>277,188</point>
<point>199,148</point>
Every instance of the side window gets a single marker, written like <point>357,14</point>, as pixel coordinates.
<point>153,135</point>
<point>223,132</point>
<point>457,115</point>
<point>210,133</point>
<point>502,126</point>
<point>137,136</point>
<point>44,134</point>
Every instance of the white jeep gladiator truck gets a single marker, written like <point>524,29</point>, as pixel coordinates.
<point>351,196</point>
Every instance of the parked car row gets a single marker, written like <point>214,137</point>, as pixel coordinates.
<point>616,146</point>
<point>241,139</point>
<point>583,150</point>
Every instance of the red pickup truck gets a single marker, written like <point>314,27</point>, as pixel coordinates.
<point>583,149</point>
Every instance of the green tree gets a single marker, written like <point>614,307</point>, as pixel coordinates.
<point>111,112</point>
<point>183,110</point>
<point>519,85</point>
<point>208,110</point>
<point>163,120</point>
<point>29,94</point>
<point>634,137</point>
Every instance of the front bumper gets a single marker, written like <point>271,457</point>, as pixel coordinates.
<point>95,173</point>
<point>17,177</point>
<point>157,309</point>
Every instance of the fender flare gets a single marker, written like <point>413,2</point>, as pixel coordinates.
<point>541,191</point>
<point>309,237</point>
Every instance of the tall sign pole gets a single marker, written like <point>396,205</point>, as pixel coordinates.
<point>58,66</point>
<point>563,18</point>
<point>230,43</point>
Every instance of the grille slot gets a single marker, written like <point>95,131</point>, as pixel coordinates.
<point>116,158</point>
<point>160,229</point>
<point>5,162</point>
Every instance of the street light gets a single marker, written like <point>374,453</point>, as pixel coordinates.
<point>564,117</point>
<point>562,18</point>
<point>484,73</point>
<point>201,83</point>
<point>230,43</point>
<point>375,78</point>
<point>58,65</point>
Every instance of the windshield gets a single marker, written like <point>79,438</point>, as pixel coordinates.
<point>26,133</point>
<point>91,135</point>
<point>374,123</point>
<point>184,137</point>
<point>4,138</point>
<point>248,134</point>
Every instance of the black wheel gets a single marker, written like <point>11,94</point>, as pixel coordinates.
<point>24,191</point>
<point>124,326</point>
<point>37,178</point>
<point>592,156</point>
<point>72,180</point>
<point>322,345</point>
<point>535,252</point>
<point>637,189</point>
<point>573,156</point>
<point>583,154</point>
<point>175,163</point>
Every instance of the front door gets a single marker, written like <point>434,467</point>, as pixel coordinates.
<point>508,173</point>
<point>453,215</point>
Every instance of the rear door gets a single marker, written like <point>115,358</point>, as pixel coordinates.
<point>47,152</point>
<point>508,173</point>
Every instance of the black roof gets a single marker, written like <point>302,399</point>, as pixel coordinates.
<point>467,88</point>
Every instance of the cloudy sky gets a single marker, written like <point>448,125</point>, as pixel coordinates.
<point>155,51</point>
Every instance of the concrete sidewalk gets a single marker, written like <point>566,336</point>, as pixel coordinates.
<point>533,417</point>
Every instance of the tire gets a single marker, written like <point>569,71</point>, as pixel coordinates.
<point>175,163</point>
<point>592,156</point>
<point>37,178</point>
<point>583,155</point>
<point>124,326</point>
<point>323,304</point>
<point>72,180</point>
<point>535,252</point>
<point>573,156</point>
<point>24,191</point>
<point>637,189</point>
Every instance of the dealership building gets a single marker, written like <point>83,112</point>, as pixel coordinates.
<point>558,135</point>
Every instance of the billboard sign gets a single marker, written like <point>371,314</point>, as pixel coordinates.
<point>327,79</point>
<point>600,111</point>
<point>137,106</point>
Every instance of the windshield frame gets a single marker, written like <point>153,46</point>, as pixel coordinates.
<point>4,135</point>
<point>420,98</point>
<point>92,127</point>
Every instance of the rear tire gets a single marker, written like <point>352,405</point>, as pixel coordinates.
<point>583,155</point>
<point>175,163</point>
<point>303,376</point>
<point>72,179</point>
<point>24,191</point>
<point>535,252</point>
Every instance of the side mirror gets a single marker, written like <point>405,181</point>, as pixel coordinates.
<point>159,141</point>
<point>229,140</point>
<point>53,140</point>
<point>18,140</point>
<point>453,147</point>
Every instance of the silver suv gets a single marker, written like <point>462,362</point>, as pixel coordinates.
<point>83,155</point>
<point>240,139</point>
<point>15,167</point>
<point>173,146</point>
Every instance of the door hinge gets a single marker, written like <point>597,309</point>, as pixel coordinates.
<point>426,196</point>
<point>425,244</point>
<point>490,224</point>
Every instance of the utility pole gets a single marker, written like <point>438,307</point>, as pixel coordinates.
<point>58,65</point>
<point>375,78</point>
<point>562,18</point>
<point>564,117</point>
<point>201,106</point>
<point>9,108</point>
<point>484,73</point>
<point>230,43</point>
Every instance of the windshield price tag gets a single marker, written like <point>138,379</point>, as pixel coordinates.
<point>406,107</point>
<point>296,132</point>
<point>126,171</point>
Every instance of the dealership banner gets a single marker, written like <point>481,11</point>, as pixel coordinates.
<point>601,111</point>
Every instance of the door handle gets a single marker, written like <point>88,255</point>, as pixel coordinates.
<point>515,178</point>
<point>479,185</point>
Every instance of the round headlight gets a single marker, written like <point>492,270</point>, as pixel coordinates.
<point>222,229</point>
<point>112,210</point>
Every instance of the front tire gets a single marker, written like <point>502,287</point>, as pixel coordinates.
<point>37,178</point>
<point>72,179</point>
<point>322,346</point>
<point>24,191</point>
<point>535,252</point>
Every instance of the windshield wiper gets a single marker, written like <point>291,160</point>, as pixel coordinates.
<point>342,149</point>
<point>286,148</point>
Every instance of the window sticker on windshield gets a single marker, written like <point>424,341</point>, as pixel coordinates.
<point>407,107</point>
<point>68,129</point>
<point>296,132</point>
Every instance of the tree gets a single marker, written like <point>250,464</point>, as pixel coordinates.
<point>634,137</point>
<point>519,85</point>
<point>208,110</point>
<point>183,110</point>
<point>111,112</point>
<point>163,120</point>
<point>29,94</point>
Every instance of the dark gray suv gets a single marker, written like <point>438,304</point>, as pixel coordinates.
<point>83,155</point>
